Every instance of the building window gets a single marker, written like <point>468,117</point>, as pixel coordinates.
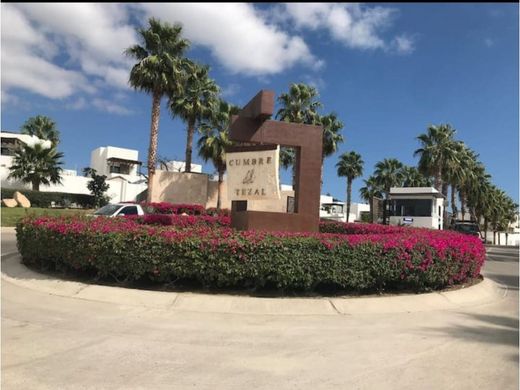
<point>333,209</point>
<point>9,146</point>
<point>6,151</point>
<point>119,168</point>
<point>411,208</point>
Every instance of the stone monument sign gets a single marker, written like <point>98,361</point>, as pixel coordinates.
<point>253,173</point>
<point>253,127</point>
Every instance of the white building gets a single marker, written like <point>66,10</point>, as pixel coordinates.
<point>416,206</point>
<point>179,166</point>
<point>111,161</point>
<point>10,142</point>
<point>121,166</point>
<point>333,209</point>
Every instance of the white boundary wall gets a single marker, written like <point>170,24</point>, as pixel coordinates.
<point>119,190</point>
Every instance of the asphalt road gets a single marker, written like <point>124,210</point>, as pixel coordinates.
<point>52,342</point>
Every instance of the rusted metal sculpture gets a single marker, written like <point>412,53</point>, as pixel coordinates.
<point>253,126</point>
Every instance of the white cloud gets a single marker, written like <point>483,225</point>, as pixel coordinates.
<point>70,51</point>
<point>110,106</point>
<point>489,42</point>
<point>403,44</point>
<point>314,81</point>
<point>238,36</point>
<point>62,50</point>
<point>354,25</point>
<point>230,90</point>
<point>7,98</point>
<point>25,60</point>
<point>93,35</point>
<point>77,104</point>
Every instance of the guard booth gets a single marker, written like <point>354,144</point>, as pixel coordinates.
<point>416,206</point>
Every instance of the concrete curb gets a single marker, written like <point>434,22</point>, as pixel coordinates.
<point>489,246</point>
<point>13,271</point>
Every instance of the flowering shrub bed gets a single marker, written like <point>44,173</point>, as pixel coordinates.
<point>368,258</point>
<point>181,221</point>
<point>361,228</point>
<point>170,208</point>
<point>181,209</point>
<point>215,211</point>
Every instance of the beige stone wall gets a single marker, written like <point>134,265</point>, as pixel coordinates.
<point>213,194</point>
<point>196,188</point>
<point>279,206</point>
<point>180,187</point>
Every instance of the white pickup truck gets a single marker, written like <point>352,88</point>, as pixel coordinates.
<point>119,209</point>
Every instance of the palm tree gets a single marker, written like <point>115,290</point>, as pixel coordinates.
<point>36,165</point>
<point>474,174</point>
<point>474,190</point>
<point>437,148</point>
<point>196,102</point>
<point>158,71</point>
<point>371,190</point>
<point>510,216</point>
<point>331,136</point>
<point>457,171</point>
<point>299,105</point>
<point>496,210</point>
<point>481,199</point>
<point>42,127</point>
<point>502,213</point>
<point>350,165</point>
<point>438,152</point>
<point>388,173</point>
<point>413,178</point>
<point>287,156</point>
<point>212,145</point>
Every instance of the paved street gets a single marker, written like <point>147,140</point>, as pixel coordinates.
<point>53,342</point>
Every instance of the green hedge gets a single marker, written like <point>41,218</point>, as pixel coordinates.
<point>44,199</point>
<point>125,250</point>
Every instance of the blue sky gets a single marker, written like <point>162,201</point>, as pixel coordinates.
<point>387,70</point>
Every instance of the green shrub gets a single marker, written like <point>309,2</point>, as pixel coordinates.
<point>121,248</point>
<point>45,199</point>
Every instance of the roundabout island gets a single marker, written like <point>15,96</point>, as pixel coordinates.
<point>204,250</point>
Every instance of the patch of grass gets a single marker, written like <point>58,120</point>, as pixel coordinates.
<point>11,215</point>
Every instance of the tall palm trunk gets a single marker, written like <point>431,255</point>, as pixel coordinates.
<point>462,204</point>
<point>189,144</point>
<point>293,170</point>
<point>152,150</point>
<point>349,195</point>
<point>371,208</point>
<point>438,180</point>
<point>473,213</point>
<point>445,187</point>
<point>35,185</point>
<point>219,189</point>
<point>385,201</point>
<point>485,229</point>
<point>453,201</point>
